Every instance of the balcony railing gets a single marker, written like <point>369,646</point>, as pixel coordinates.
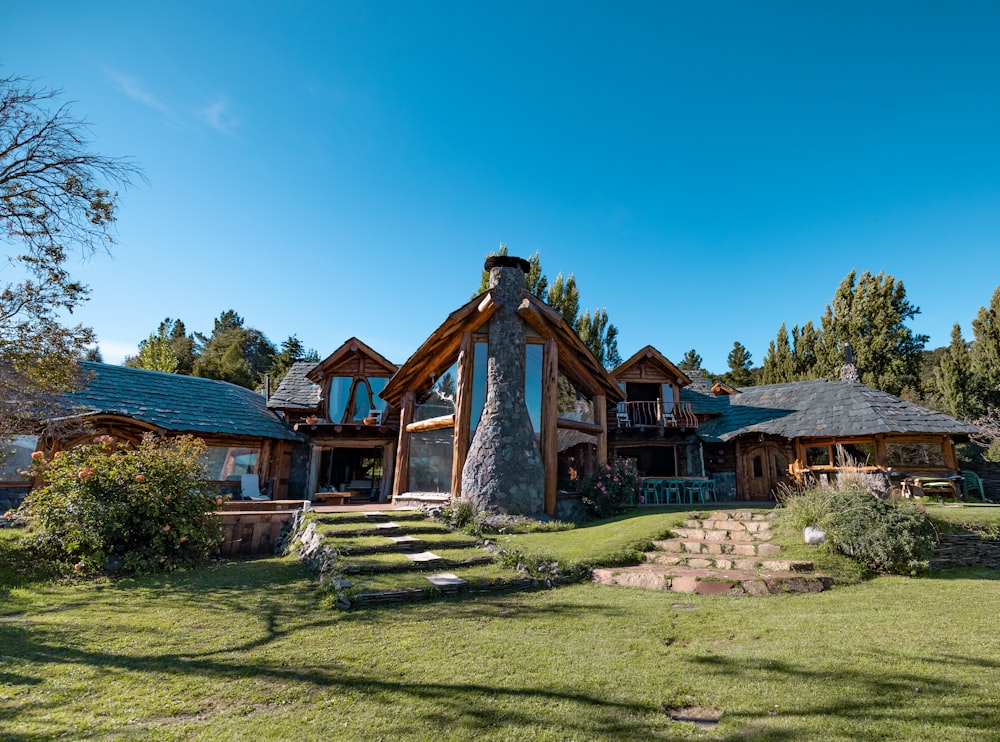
<point>655,415</point>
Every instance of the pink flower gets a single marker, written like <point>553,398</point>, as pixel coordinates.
<point>140,478</point>
<point>166,528</point>
<point>86,472</point>
<point>37,455</point>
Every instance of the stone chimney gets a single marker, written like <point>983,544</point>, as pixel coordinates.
<point>503,471</point>
<point>849,372</point>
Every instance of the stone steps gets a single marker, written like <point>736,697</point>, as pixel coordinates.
<point>712,581</point>
<point>719,553</point>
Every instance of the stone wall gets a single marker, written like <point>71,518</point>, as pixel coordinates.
<point>989,472</point>
<point>966,550</point>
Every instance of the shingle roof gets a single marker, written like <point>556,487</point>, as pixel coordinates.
<point>823,408</point>
<point>296,391</point>
<point>182,404</point>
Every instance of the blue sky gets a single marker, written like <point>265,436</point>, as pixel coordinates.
<point>708,170</point>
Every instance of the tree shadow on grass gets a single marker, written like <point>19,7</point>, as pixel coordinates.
<point>464,708</point>
<point>860,699</point>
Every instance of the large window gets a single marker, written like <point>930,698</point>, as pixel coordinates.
<point>431,455</point>
<point>358,392</point>
<point>914,454</point>
<point>230,462</point>
<point>17,458</point>
<point>439,400</point>
<point>572,404</point>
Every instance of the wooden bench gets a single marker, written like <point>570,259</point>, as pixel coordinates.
<point>332,498</point>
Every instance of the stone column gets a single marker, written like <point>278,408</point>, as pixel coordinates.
<point>503,471</point>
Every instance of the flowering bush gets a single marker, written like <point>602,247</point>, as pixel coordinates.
<point>606,490</point>
<point>125,509</point>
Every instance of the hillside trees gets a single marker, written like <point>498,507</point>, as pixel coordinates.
<point>690,361</point>
<point>56,196</point>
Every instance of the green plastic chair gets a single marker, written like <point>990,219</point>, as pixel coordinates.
<point>972,483</point>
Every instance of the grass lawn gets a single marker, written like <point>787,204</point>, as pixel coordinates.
<point>245,650</point>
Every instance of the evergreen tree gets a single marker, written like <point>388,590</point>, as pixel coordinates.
<point>181,343</point>
<point>740,364</point>
<point>596,331</point>
<point>985,353</point>
<point>691,361</point>
<point>292,351</point>
<point>804,344</point>
<point>956,383</point>
<point>871,312</point>
<point>779,362</point>
<point>94,355</point>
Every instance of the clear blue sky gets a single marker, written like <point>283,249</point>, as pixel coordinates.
<point>708,170</point>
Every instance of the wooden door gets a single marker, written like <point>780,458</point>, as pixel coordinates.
<point>763,466</point>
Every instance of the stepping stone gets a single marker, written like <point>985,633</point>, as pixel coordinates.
<point>404,539</point>
<point>374,514</point>
<point>423,556</point>
<point>390,526</point>
<point>445,578</point>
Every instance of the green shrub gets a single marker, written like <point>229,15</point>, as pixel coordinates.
<point>886,536</point>
<point>114,507</point>
<point>607,490</point>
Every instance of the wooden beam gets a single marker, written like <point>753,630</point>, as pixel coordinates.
<point>601,418</point>
<point>432,423</point>
<point>401,482</point>
<point>582,426</point>
<point>549,442</point>
<point>463,411</point>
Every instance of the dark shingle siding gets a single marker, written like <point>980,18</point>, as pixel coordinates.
<point>295,390</point>
<point>183,404</point>
<point>824,408</point>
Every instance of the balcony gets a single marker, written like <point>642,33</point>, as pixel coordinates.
<point>655,415</point>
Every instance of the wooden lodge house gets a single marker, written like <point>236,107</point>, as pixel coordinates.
<point>504,406</point>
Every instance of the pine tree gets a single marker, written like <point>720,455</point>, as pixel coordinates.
<point>740,363</point>
<point>779,362</point>
<point>292,351</point>
<point>234,353</point>
<point>871,312</point>
<point>985,353</point>
<point>690,361</point>
<point>956,383</point>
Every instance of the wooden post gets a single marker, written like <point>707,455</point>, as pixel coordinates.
<point>401,483</point>
<point>388,470</point>
<point>463,411</point>
<point>549,443</point>
<point>313,483</point>
<point>601,418</point>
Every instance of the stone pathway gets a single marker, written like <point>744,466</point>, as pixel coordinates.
<point>719,553</point>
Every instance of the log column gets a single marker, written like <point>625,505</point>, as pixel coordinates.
<point>401,482</point>
<point>601,418</point>
<point>549,442</point>
<point>463,412</point>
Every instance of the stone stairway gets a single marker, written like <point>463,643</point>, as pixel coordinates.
<point>719,553</point>
<point>397,556</point>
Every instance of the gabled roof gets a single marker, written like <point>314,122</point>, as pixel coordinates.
<point>439,351</point>
<point>296,391</point>
<point>805,409</point>
<point>340,362</point>
<point>179,404</point>
<point>652,356</point>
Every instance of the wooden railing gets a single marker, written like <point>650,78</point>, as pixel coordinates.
<point>656,415</point>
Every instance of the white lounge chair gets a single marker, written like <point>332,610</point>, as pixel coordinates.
<point>250,488</point>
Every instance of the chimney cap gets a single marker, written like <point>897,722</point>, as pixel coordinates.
<point>506,261</point>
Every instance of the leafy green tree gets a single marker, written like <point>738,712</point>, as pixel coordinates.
<point>691,361</point>
<point>957,386</point>
<point>292,351</point>
<point>156,353</point>
<point>804,342</point>
<point>565,296</point>
<point>55,195</point>
<point>871,313</point>
<point>600,337</point>
<point>740,365</point>
<point>234,353</point>
<point>94,355</point>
